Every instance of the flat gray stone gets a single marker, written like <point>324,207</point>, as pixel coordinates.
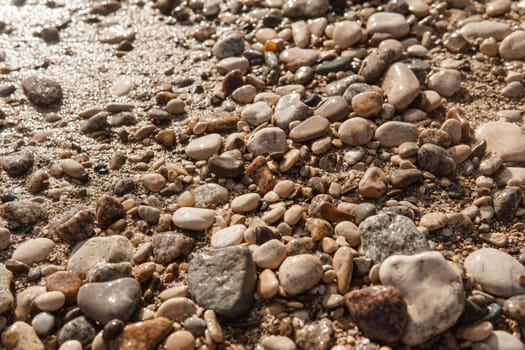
<point>223,280</point>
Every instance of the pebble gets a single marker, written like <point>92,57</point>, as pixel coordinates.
<point>343,267</point>
<point>228,236</point>
<point>246,203</point>
<point>154,182</point>
<point>346,34</point>
<point>230,292</point>
<point>496,272</point>
<point>21,336</point>
<point>175,106</point>
<point>122,86</point>
<point>503,138</point>
<point>169,246</point>
<point>104,301</point>
<point>367,104</point>
<point>391,23</point>
<point>514,308</point>
<point>433,221</point>
<point>299,273</point>
<point>334,108</point>
<point>145,335</point>
<point>497,7</point>
<point>99,249</point>
<point>305,8</point>
<point>506,202</point>
<point>42,91</point>
<point>43,323</point>
<point>180,340</point>
<point>499,340</point>
<point>387,234</point>
<point>229,44</point>
<point>108,210</point>
<point>17,163</point>
<point>513,46</point>
<point>77,227</point>
<point>380,312</point>
<point>202,148</point>
<point>6,297</point>
<point>372,184</point>
<point>295,57</point>
<point>177,309</point>
<point>310,129</point>
<point>209,195</point>
<point>226,167</point>
<point>513,90</point>
<point>356,131</point>
<point>50,301</point>
<point>257,113</point>
<point>476,332</point>
<point>34,250</point>
<point>435,159</point>
<point>244,94</point>
<point>65,282</point>
<point>267,140</point>
<point>316,335</point>
<point>194,219</point>
<point>432,290</point>
<point>268,285</point>
<point>404,178</point>
<point>71,345</point>
<point>336,65</point>
<point>79,329</point>
<point>270,254</point>
<point>484,29</point>
<point>400,85</point>
<point>394,133</point>
<point>446,82</point>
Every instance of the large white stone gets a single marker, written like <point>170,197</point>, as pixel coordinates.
<point>504,138</point>
<point>432,290</point>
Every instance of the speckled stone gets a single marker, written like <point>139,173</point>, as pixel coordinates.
<point>386,234</point>
<point>432,290</point>
<point>42,91</point>
<point>168,246</point>
<point>380,312</point>
<point>229,291</point>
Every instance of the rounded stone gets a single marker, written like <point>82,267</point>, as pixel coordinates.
<point>43,323</point>
<point>50,301</point>
<point>394,133</point>
<point>246,203</point>
<point>42,91</point>
<point>180,340</point>
<point>195,219</point>
<point>299,273</point>
<point>513,46</point>
<point>177,309</point>
<point>446,82</point>
<point>270,254</point>
<point>204,147</point>
<point>391,23</point>
<point>367,104</point>
<point>154,182</point>
<point>34,250</point>
<point>267,140</point>
<point>356,131</point>
<point>65,282</point>
<point>278,342</point>
<point>228,236</point>
<point>346,34</point>
<point>72,168</point>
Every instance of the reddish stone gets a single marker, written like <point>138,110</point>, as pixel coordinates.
<point>66,282</point>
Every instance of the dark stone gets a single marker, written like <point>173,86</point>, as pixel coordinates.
<point>226,167</point>
<point>436,159</point>
<point>18,163</point>
<point>232,81</point>
<point>380,312</point>
<point>108,210</point>
<point>97,122</point>
<point>77,227</point>
<point>124,186</point>
<point>42,91</point>
<point>104,271</point>
<point>375,64</point>
<point>336,65</point>
<point>506,202</point>
<point>77,329</point>
<point>6,89</point>
<point>223,280</point>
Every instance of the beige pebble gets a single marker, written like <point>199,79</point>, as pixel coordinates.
<point>343,266</point>
<point>349,231</point>
<point>154,182</point>
<point>476,332</point>
<point>293,214</point>
<point>50,301</point>
<point>246,203</point>
<point>72,168</point>
<point>278,342</point>
<point>34,250</point>
<point>213,326</point>
<point>71,344</point>
<point>270,254</point>
<point>180,340</point>
<point>299,273</point>
<point>268,285</point>
<point>284,188</point>
<point>204,147</point>
<point>274,215</point>
<point>434,221</point>
<point>177,309</point>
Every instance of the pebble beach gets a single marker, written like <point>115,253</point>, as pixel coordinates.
<point>266,175</point>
